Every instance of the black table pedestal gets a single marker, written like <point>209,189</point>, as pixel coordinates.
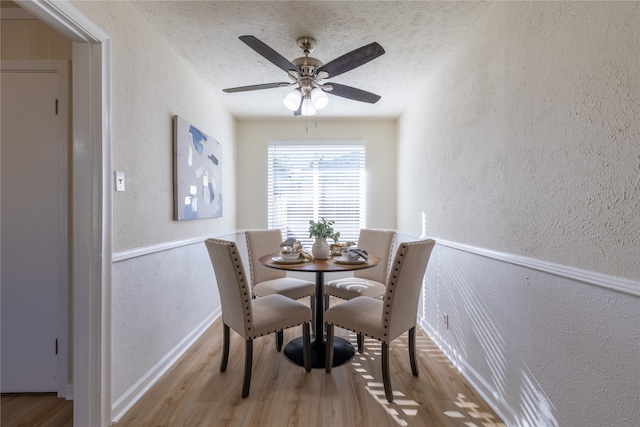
<point>343,352</point>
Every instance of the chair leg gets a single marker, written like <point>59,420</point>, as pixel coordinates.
<point>327,301</point>
<point>328,359</point>
<point>385,372</point>
<point>360,343</point>
<point>306,346</point>
<point>312,300</point>
<point>248,360</point>
<point>279,338</point>
<point>412,351</point>
<point>225,348</point>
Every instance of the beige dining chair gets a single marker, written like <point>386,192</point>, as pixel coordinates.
<point>252,318</point>
<point>388,318</point>
<point>369,282</point>
<point>269,281</point>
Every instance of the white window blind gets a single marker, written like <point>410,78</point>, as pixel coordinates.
<point>311,180</point>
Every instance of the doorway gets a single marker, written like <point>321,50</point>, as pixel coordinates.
<point>90,191</point>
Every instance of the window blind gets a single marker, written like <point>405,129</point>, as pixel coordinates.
<point>307,181</point>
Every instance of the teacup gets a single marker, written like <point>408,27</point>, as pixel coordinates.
<point>349,255</point>
<point>289,254</point>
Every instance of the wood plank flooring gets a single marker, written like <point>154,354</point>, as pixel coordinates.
<point>194,393</point>
<point>35,410</point>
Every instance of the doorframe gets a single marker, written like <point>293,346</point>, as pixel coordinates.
<point>91,208</point>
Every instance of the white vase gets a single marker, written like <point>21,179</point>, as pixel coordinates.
<point>320,248</point>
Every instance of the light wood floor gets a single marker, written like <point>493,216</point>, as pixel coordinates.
<point>35,410</point>
<point>194,393</point>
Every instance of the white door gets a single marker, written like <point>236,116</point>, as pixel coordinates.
<point>33,232</point>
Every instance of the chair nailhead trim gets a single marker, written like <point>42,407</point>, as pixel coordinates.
<point>286,327</point>
<point>352,330</point>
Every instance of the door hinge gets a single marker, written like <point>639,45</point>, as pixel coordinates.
<point>56,107</point>
<point>56,345</point>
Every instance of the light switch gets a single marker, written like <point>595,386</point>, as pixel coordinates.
<point>119,181</point>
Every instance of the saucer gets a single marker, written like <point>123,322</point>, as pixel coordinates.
<point>280,260</point>
<point>342,260</point>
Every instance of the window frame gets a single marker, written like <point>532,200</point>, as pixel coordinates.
<point>345,183</point>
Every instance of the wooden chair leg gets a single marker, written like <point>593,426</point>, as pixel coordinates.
<point>328,359</point>
<point>385,372</point>
<point>360,343</point>
<point>225,348</point>
<point>306,346</point>
<point>412,351</point>
<point>312,301</point>
<point>248,360</point>
<point>279,338</point>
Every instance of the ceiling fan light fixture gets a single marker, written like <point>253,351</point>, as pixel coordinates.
<point>307,108</point>
<point>292,100</point>
<point>319,99</point>
<point>307,74</point>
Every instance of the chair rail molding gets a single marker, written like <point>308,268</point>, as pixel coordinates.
<point>613,283</point>
<point>165,246</point>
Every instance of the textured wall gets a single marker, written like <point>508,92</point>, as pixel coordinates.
<point>157,299</point>
<point>531,138</point>
<point>150,84</point>
<point>380,136</point>
<point>546,351</point>
<point>528,143</point>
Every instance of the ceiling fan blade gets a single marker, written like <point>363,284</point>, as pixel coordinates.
<point>255,87</point>
<point>353,93</point>
<point>268,53</point>
<point>352,60</point>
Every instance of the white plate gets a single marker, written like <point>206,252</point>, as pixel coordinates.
<point>280,260</point>
<point>342,260</point>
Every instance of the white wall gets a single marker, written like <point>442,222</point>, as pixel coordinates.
<point>253,136</point>
<point>163,292</point>
<point>151,84</point>
<point>524,162</point>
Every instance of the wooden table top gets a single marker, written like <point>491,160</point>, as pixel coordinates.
<point>319,265</point>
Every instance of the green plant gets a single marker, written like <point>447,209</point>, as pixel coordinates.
<point>323,229</point>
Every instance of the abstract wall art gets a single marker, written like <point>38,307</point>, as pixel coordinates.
<point>197,173</point>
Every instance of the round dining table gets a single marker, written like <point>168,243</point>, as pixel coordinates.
<point>343,349</point>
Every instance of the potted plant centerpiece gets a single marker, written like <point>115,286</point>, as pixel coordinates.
<point>321,230</point>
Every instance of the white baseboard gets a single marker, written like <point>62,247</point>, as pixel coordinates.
<point>131,396</point>
<point>69,393</point>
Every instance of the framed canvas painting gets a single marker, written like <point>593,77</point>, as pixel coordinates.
<point>197,173</point>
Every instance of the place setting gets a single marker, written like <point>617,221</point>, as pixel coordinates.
<point>352,256</point>
<point>291,252</point>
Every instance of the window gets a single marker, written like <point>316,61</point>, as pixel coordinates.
<point>311,180</point>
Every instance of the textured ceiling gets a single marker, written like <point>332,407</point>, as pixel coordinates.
<point>415,36</point>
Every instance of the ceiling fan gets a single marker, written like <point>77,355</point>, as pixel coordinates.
<point>307,74</point>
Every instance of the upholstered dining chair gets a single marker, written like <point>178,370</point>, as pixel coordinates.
<point>390,317</point>
<point>269,281</point>
<point>368,282</point>
<point>252,318</point>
